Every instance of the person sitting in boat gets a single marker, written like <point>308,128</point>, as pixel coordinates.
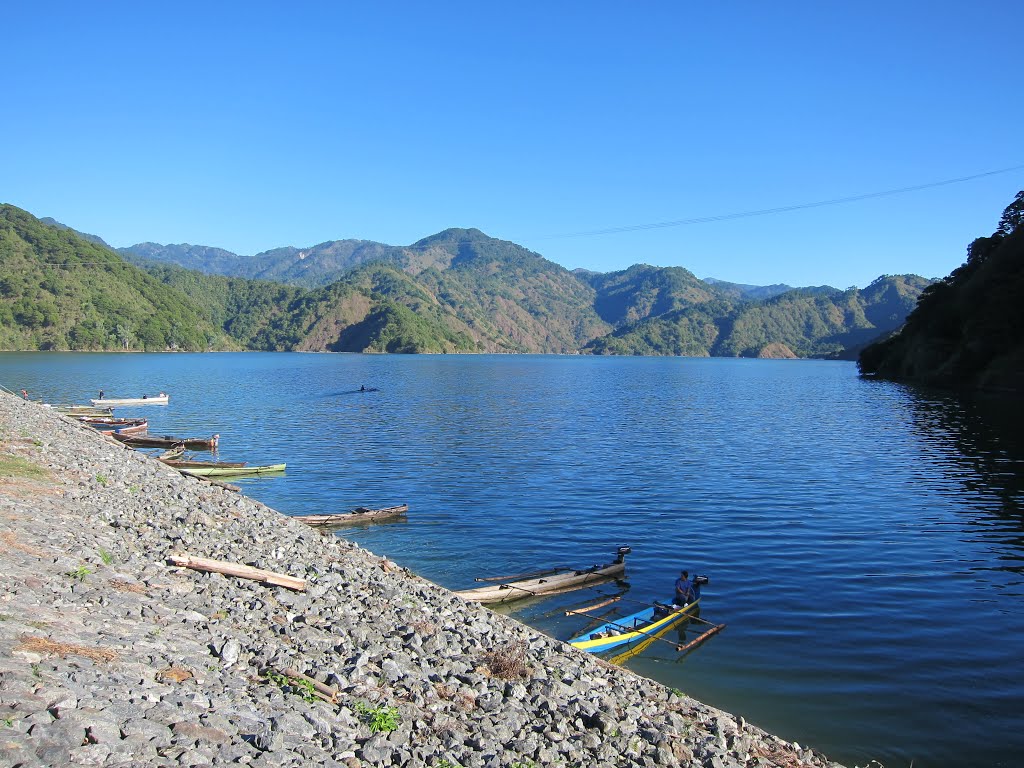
<point>362,387</point>
<point>684,589</point>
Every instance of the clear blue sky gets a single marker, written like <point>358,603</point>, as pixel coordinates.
<point>250,126</point>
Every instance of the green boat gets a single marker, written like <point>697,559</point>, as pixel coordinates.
<point>232,471</point>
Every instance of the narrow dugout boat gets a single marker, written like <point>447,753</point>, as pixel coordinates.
<point>355,516</point>
<point>199,464</point>
<point>168,441</point>
<point>552,582</point>
<point>640,626</point>
<point>233,471</point>
<point>109,425</point>
<point>160,399</point>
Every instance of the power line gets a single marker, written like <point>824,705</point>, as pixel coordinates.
<point>783,208</point>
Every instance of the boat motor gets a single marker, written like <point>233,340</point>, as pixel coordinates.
<point>699,581</point>
<point>621,554</point>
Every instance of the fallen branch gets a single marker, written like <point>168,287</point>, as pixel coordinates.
<point>326,692</point>
<point>241,571</point>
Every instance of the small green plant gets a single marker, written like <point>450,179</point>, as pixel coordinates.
<point>676,692</point>
<point>79,573</point>
<point>37,442</point>
<point>101,479</point>
<point>302,688</point>
<point>133,489</point>
<point>106,557</point>
<point>527,764</point>
<point>8,722</point>
<point>446,763</point>
<point>380,719</point>
<point>36,671</point>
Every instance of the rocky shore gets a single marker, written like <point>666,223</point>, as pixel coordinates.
<point>112,656</point>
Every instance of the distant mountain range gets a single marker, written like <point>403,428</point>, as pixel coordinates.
<point>456,291</point>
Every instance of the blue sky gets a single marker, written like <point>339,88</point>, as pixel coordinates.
<point>255,125</point>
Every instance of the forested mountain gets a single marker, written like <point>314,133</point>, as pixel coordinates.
<point>457,291</point>
<point>751,292</point>
<point>60,291</point>
<point>968,329</point>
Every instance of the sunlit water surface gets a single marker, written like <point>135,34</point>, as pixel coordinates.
<point>863,539</point>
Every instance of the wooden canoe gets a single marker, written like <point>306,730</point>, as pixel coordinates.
<point>197,464</point>
<point>233,471</point>
<point>109,425</point>
<point>357,515</point>
<point>168,441</point>
<point>160,399</point>
<point>560,581</point>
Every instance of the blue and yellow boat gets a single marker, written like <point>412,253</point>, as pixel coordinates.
<point>639,627</point>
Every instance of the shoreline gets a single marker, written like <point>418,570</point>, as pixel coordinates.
<point>114,657</point>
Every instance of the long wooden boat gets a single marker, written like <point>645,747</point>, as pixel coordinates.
<point>108,425</point>
<point>553,583</point>
<point>160,399</point>
<point>233,471</point>
<point>198,464</point>
<point>638,627</point>
<point>169,441</point>
<point>355,516</point>
<point>77,411</point>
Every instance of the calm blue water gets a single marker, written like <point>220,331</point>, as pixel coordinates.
<point>864,540</point>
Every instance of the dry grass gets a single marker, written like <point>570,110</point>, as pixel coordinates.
<point>10,541</point>
<point>508,661</point>
<point>52,647</point>
<point>174,674</point>
<point>127,586</point>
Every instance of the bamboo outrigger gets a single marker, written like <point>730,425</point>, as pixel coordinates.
<point>560,580</point>
<point>357,515</point>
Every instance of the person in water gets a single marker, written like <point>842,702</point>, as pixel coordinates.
<point>684,589</point>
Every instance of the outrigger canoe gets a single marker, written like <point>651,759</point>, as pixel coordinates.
<point>160,399</point>
<point>357,515</point>
<point>233,471</point>
<point>640,626</point>
<point>552,582</point>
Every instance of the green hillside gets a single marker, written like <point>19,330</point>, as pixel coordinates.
<point>59,291</point>
<point>968,329</point>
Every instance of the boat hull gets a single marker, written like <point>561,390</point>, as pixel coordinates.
<point>233,471</point>
<point>551,585</point>
<point>356,516</point>
<point>638,627</point>
<point>112,401</point>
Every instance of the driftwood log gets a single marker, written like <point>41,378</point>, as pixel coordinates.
<point>241,571</point>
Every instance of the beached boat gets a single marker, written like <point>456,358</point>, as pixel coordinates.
<point>640,626</point>
<point>169,441</point>
<point>357,515</point>
<point>551,582</point>
<point>109,425</point>
<point>198,464</point>
<point>233,471</point>
<point>77,411</point>
<point>160,399</point>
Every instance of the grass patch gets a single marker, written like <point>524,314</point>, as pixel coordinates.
<point>16,466</point>
<point>380,719</point>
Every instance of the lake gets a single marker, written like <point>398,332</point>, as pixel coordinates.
<point>864,539</point>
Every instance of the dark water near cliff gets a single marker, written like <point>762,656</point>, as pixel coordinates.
<point>865,540</point>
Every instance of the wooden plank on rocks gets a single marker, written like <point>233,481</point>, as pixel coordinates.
<point>241,571</point>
